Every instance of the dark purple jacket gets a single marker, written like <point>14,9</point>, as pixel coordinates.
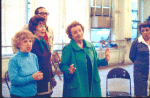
<point>44,65</point>
<point>139,55</point>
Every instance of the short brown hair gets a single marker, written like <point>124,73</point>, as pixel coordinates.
<point>21,35</point>
<point>34,21</point>
<point>73,24</point>
<point>37,10</point>
<point>143,25</point>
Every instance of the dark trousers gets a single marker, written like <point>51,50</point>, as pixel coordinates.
<point>45,95</point>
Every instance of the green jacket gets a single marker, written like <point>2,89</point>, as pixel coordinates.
<point>76,84</point>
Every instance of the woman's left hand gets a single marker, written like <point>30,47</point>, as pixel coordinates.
<point>53,83</point>
<point>107,55</point>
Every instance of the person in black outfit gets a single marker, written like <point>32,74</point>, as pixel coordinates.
<point>140,56</point>
<point>37,26</point>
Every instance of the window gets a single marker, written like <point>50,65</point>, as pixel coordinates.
<point>14,14</point>
<point>98,35</point>
<point>29,7</point>
<point>17,13</point>
<point>134,15</point>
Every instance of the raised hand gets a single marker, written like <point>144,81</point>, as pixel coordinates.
<point>38,75</point>
<point>107,55</point>
<point>72,69</point>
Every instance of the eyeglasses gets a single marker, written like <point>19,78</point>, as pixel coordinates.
<point>44,13</point>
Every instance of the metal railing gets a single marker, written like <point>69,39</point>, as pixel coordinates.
<point>59,46</point>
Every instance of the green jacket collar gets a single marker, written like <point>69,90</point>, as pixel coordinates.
<point>76,47</point>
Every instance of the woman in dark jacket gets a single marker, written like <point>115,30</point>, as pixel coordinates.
<point>139,55</point>
<point>79,64</point>
<point>37,26</point>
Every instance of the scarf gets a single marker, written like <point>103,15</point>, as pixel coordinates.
<point>45,37</point>
<point>41,43</point>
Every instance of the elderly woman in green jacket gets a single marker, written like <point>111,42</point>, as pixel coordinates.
<point>80,64</point>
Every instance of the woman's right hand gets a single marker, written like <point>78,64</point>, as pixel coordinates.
<point>38,75</point>
<point>72,69</point>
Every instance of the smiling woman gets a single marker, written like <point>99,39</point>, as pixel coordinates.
<point>79,64</point>
<point>37,26</point>
<point>40,30</point>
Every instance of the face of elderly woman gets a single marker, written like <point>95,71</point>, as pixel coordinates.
<point>77,33</point>
<point>40,30</point>
<point>25,45</point>
<point>145,31</point>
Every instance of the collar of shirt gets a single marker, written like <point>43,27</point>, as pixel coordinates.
<point>76,47</point>
<point>140,39</point>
